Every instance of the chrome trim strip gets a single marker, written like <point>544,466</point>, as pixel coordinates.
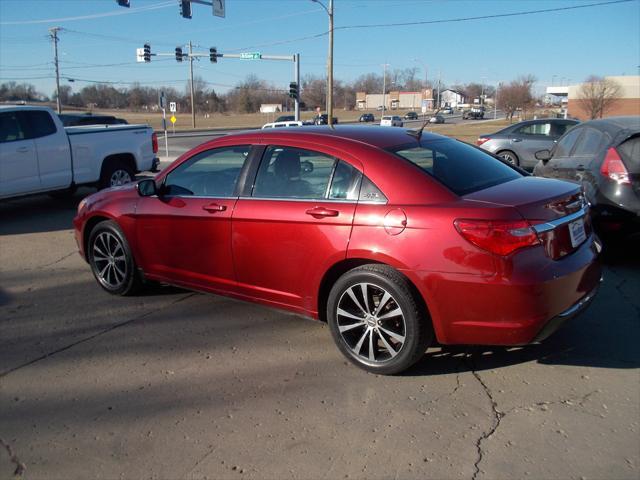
<point>580,303</point>
<point>547,226</point>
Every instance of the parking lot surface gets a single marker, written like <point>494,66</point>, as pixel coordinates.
<point>176,384</point>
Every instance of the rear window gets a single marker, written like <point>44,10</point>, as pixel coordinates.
<point>460,167</point>
<point>630,153</point>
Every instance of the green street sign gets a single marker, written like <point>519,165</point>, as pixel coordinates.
<point>251,55</point>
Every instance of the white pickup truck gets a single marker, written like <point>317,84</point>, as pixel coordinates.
<point>38,154</point>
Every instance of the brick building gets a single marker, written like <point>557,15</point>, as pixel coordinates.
<point>627,104</point>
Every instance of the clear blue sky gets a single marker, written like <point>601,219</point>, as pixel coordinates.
<point>572,44</point>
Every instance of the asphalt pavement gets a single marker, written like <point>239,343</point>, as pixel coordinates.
<point>181,385</point>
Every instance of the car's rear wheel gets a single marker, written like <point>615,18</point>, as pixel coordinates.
<point>111,260</point>
<point>377,321</point>
<point>510,157</point>
<point>115,173</point>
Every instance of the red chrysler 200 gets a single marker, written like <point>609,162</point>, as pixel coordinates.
<point>397,239</point>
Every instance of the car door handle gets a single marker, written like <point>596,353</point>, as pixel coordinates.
<point>580,168</point>
<point>321,212</point>
<point>214,208</point>
<point>516,139</point>
<point>22,149</point>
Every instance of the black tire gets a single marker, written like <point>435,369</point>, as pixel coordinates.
<point>412,324</point>
<point>115,172</point>
<point>111,260</point>
<point>510,157</point>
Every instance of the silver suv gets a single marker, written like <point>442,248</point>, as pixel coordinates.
<point>519,143</point>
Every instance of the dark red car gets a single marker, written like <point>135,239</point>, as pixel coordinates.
<point>396,239</point>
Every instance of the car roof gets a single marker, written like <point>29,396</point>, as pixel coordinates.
<point>371,135</point>
<point>615,123</point>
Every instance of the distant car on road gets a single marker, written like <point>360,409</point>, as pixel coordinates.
<point>604,157</point>
<point>475,113</point>
<point>285,118</point>
<point>282,124</point>
<point>367,117</point>
<point>518,143</point>
<point>79,119</point>
<point>447,110</point>
<point>436,119</point>
<point>391,121</point>
<point>411,116</point>
<point>324,120</point>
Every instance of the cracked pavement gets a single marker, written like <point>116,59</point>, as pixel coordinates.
<point>180,385</point>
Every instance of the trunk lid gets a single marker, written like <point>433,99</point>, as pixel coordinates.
<point>556,209</point>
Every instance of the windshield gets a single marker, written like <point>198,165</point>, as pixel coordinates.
<point>460,167</point>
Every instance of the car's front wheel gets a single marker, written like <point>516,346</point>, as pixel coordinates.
<point>111,260</point>
<point>377,321</point>
<point>510,157</point>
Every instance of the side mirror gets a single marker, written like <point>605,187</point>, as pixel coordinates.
<point>544,155</point>
<point>147,187</point>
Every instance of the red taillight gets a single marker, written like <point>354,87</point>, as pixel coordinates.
<point>154,142</point>
<point>481,140</point>
<point>498,237</point>
<point>613,168</point>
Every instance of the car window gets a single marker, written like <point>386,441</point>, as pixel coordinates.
<point>589,143</point>
<point>460,167</point>
<point>212,173</point>
<point>345,183</point>
<point>630,153</point>
<point>40,123</point>
<point>11,129</point>
<point>560,128</point>
<point>535,129</point>
<point>288,172</point>
<point>566,143</point>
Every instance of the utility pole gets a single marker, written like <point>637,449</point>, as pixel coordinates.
<point>384,87</point>
<point>193,107</point>
<point>438,106</point>
<point>330,69</point>
<point>54,36</point>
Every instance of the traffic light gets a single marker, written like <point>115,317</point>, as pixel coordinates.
<point>293,90</point>
<point>185,8</point>
<point>178,54</point>
<point>147,52</point>
<point>123,3</point>
<point>213,55</point>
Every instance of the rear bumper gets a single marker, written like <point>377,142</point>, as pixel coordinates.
<point>556,322</point>
<point>520,304</point>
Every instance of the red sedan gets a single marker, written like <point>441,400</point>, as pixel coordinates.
<point>396,239</point>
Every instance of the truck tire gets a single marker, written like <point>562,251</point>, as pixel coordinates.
<point>115,173</point>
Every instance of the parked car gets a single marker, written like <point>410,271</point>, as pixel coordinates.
<point>518,143</point>
<point>77,119</point>
<point>323,119</point>
<point>447,110</point>
<point>291,123</point>
<point>603,156</point>
<point>320,228</point>
<point>411,116</point>
<point>285,118</point>
<point>436,119</point>
<point>391,121</point>
<point>380,108</point>
<point>367,117</point>
<point>474,113</point>
<point>39,155</point>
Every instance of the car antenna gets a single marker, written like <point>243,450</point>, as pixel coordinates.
<point>418,134</point>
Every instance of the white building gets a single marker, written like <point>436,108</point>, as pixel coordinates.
<point>451,98</point>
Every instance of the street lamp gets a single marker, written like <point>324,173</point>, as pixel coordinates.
<point>329,62</point>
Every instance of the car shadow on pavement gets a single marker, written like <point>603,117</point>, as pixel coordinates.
<point>40,213</point>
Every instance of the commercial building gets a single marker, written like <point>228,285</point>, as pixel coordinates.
<point>627,102</point>
<point>395,100</point>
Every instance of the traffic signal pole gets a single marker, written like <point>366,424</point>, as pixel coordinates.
<point>296,74</point>
<point>193,106</point>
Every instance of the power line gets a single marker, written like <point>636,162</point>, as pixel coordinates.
<point>165,4</point>
<point>482,17</point>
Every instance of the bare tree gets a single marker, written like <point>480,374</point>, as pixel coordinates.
<point>597,95</point>
<point>517,95</point>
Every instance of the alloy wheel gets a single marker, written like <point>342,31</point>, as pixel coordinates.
<point>110,260</point>
<point>119,177</point>
<point>371,322</point>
